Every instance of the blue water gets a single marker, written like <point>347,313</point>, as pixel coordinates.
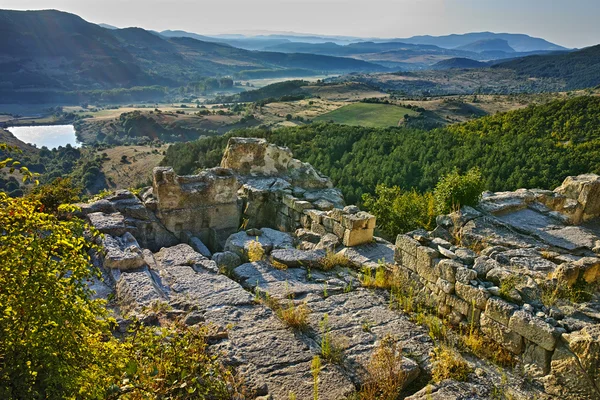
<point>51,136</point>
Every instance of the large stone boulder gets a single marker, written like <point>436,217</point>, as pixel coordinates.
<point>585,190</point>
<point>257,157</point>
<point>269,239</point>
<point>576,365</point>
<point>122,253</point>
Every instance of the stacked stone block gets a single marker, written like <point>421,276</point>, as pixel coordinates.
<point>451,286</point>
<point>280,209</point>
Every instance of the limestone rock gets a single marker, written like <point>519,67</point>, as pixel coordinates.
<point>122,253</point>
<point>298,258</point>
<point>585,190</point>
<point>270,239</point>
<point>533,329</point>
<point>226,260</point>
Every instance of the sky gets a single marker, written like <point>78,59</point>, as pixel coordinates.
<point>570,23</point>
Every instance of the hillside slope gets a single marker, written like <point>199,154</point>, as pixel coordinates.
<point>481,46</point>
<point>580,69</point>
<point>55,50</point>
<point>534,147</point>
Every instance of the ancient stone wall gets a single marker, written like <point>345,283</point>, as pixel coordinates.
<point>205,204</point>
<point>527,250</point>
<point>258,185</point>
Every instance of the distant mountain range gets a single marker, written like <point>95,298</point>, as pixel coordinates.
<point>54,50</point>
<point>519,42</point>
<point>418,52</point>
<point>51,51</point>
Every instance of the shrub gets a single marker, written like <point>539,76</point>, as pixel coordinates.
<point>398,211</point>
<point>385,375</point>
<point>255,251</point>
<point>296,317</point>
<point>169,362</point>
<point>449,364</point>
<point>455,190</point>
<point>332,260</point>
<point>51,196</point>
<point>51,331</point>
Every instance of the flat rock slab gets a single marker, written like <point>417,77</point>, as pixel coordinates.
<point>283,284</point>
<point>138,289</point>
<point>269,239</point>
<point>272,358</point>
<point>550,230</point>
<point>359,320</point>
<point>298,258</point>
<point>370,254</point>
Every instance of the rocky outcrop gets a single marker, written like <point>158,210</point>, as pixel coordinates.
<point>206,205</point>
<point>520,285</point>
<point>518,268</point>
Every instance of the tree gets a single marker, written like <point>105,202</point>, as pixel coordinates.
<point>455,190</point>
<point>50,328</point>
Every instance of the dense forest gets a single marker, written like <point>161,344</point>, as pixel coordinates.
<point>534,147</point>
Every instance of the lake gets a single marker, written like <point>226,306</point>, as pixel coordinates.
<point>51,136</point>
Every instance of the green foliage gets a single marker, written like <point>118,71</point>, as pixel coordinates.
<point>537,146</point>
<point>170,362</point>
<point>398,211</point>
<point>580,69</point>
<point>455,190</point>
<point>50,328</point>
<point>52,195</point>
<point>272,91</point>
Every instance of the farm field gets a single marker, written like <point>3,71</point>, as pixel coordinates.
<point>371,115</point>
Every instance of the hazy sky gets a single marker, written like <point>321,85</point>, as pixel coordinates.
<point>572,23</point>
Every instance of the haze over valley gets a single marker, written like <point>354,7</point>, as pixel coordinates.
<point>334,200</point>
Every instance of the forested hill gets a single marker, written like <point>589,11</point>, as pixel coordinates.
<point>53,50</point>
<point>580,69</point>
<point>534,147</point>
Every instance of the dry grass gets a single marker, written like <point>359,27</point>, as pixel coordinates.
<point>137,171</point>
<point>294,316</point>
<point>278,265</point>
<point>255,251</point>
<point>332,260</point>
<point>385,374</point>
<point>380,278</point>
<point>486,348</point>
<point>449,364</point>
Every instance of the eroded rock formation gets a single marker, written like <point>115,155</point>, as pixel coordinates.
<point>187,242</point>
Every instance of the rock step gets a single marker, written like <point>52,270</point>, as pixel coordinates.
<point>269,356</point>
<point>356,319</point>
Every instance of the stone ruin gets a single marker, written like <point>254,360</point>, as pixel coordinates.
<point>258,185</point>
<point>185,242</point>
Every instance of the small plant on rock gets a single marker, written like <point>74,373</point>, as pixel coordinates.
<point>449,364</point>
<point>385,374</point>
<point>315,369</point>
<point>255,251</point>
<point>294,316</point>
<point>332,260</point>
<point>331,348</point>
